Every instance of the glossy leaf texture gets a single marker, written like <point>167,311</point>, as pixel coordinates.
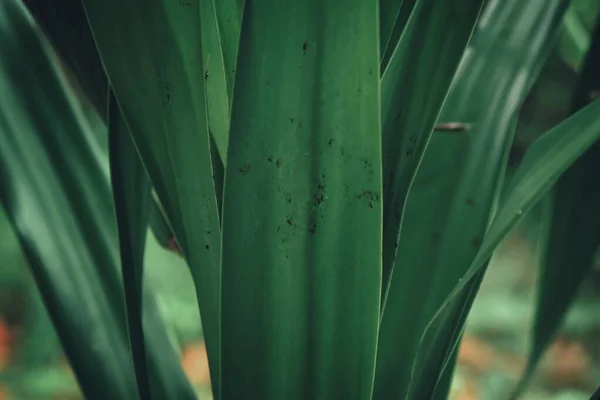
<point>442,237</point>
<point>413,89</point>
<point>301,209</point>
<point>55,188</point>
<point>153,55</point>
<point>132,196</point>
<point>574,228</point>
<point>48,209</point>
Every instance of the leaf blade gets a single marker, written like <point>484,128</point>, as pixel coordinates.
<point>153,57</point>
<point>293,182</point>
<point>132,199</point>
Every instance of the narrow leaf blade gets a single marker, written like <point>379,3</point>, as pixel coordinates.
<point>132,198</point>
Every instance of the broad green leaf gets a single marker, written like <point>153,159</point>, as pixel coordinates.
<point>455,192</point>
<point>301,209</point>
<point>414,87</point>
<point>132,196</point>
<point>57,195</point>
<point>48,207</point>
<point>152,53</point>
<point>574,228</point>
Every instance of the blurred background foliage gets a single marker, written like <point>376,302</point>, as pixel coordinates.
<point>495,346</point>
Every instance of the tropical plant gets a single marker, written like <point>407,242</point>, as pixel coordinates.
<point>335,176</point>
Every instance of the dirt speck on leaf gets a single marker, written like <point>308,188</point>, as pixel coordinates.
<point>245,169</point>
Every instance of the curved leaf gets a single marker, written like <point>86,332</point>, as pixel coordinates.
<point>49,210</point>
<point>451,203</point>
<point>57,195</point>
<point>545,161</point>
<point>574,229</point>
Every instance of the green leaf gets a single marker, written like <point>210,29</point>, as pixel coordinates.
<point>393,17</point>
<point>152,53</point>
<point>414,87</point>
<point>229,18</point>
<point>437,353</point>
<point>301,209</point>
<point>545,161</point>
<point>574,228</point>
<point>132,197</point>
<point>464,167</point>
<point>215,77</point>
<point>55,188</point>
<point>48,201</point>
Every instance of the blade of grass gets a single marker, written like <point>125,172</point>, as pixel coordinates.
<point>414,87</point>
<point>301,209</point>
<point>132,197</point>
<point>152,53</point>
<point>574,231</point>
<point>442,237</point>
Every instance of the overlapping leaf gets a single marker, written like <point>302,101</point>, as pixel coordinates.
<point>413,89</point>
<point>49,210</point>
<point>152,54</point>
<point>574,228</point>
<point>56,193</point>
<point>444,229</point>
<point>67,28</point>
<point>301,208</point>
<point>132,196</point>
